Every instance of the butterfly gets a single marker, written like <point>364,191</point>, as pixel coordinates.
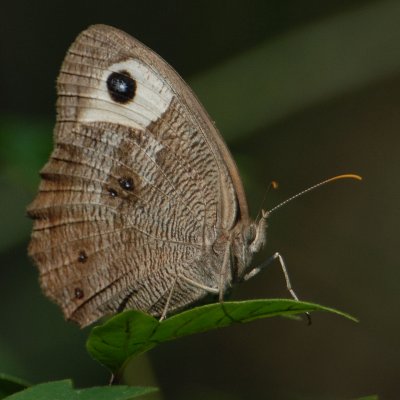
<point>140,204</point>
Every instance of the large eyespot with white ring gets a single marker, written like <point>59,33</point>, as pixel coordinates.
<point>121,87</point>
<point>129,93</point>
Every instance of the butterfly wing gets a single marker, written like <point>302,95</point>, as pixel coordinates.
<point>138,187</point>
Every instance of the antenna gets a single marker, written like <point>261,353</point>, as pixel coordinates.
<point>335,178</point>
<point>272,185</point>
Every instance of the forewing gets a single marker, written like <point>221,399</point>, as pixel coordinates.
<point>135,189</point>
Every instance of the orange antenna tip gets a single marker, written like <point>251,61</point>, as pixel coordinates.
<point>335,178</point>
<point>343,176</point>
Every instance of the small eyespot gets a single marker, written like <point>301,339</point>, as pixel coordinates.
<point>121,86</point>
<point>82,257</point>
<point>79,293</point>
<point>112,192</point>
<point>126,183</point>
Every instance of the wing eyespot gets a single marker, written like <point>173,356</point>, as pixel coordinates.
<point>121,87</point>
<point>126,183</point>
<point>112,192</point>
<point>82,257</point>
<point>79,293</point>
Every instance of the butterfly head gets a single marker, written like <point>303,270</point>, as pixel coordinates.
<point>249,241</point>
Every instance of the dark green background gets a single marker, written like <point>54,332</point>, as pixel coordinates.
<point>301,91</point>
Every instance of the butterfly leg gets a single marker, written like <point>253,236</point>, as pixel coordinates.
<point>224,269</point>
<point>276,256</point>
<point>222,276</point>
<point>208,289</point>
<point>165,310</point>
<point>266,263</point>
<point>192,282</point>
<point>221,282</point>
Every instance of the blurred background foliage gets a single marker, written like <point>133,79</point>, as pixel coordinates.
<point>301,91</point>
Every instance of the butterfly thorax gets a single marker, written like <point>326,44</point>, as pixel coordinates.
<point>251,240</point>
<point>242,242</point>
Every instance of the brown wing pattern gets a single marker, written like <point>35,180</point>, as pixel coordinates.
<point>134,192</point>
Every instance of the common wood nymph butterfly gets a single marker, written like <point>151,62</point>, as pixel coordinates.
<point>141,204</point>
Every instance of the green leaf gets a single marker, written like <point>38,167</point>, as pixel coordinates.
<point>131,333</point>
<point>63,390</point>
<point>10,384</point>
